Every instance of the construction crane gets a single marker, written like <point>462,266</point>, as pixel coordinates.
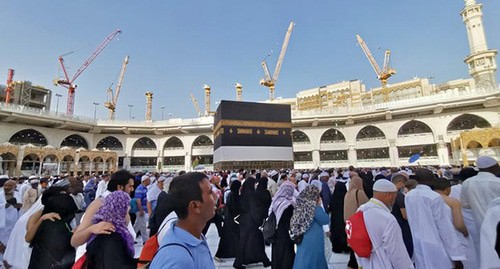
<point>9,88</point>
<point>269,81</point>
<point>69,83</point>
<point>382,74</point>
<point>113,99</point>
<point>196,106</point>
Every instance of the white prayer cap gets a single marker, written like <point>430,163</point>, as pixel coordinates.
<point>143,178</point>
<point>161,178</point>
<point>485,162</point>
<point>4,177</point>
<point>32,177</point>
<point>34,181</point>
<point>305,176</point>
<point>384,185</point>
<point>273,173</point>
<point>317,184</point>
<point>324,174</point>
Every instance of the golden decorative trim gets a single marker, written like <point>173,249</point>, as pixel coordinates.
<point>271,132</point>
<point>244,131</point>
<point>248,123</point>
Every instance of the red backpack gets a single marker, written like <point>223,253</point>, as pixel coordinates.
<point>357,235</point>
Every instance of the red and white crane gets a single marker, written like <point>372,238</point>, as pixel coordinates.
<point>9,88</point>
<point>69,83</point>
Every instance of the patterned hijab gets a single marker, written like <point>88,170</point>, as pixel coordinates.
<point>303,213</point>
<point>114,210</point>
<point>283,199</point>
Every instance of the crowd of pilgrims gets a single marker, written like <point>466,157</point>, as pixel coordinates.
<point>41,222</point>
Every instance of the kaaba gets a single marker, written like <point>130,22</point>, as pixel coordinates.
<point>252,136</point>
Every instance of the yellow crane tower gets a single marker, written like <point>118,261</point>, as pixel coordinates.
<point>269,81</point>
<point>112,100</point>
<point>196,106</point>
<point>382,74</point>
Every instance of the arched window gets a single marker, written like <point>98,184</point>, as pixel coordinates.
<point>173,143</point>
<point>300,137</point>
<point>110,142</point>
<point>144,143</point>
<point>28,136</point>
<point>370,132</point>
<point>414,127</point>
<point>467,122</point>
<point>202,141</point>
<point>74,141</point>
<point>332,135</point>
<point>495,142</point>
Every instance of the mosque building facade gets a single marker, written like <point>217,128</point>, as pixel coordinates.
<point>333,126</point>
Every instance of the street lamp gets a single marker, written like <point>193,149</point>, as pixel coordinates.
<point>170,115</point>
<point>95,109</point>
<point>130,111</point>
<point>162,109</point>
<point>57,103</point>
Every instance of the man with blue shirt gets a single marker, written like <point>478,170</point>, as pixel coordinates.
<point>184,245</point>
<point>141,194</point>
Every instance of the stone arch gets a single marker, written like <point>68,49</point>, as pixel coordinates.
<point>28,136</point>
<point>332,135</point>
<point>495,142</point>
<point>173,143</point>
<point>31,163</point>
<point>467,122</point>
<point>98,159</point>
<point>474,145</point>
<point>75,141</point>
<point>414,127</point>
<point>109,142</point>
<point>50,158</point>
<point>370,132</point>
<point>202,141</point>
<point>144,143</point>
<point>300,137</point>
<point>8,163</point>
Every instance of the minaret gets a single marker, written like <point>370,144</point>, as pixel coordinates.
<point>149,105</point>
<point>239,90</point>
<point>207,99</point>
<point>481,61</point>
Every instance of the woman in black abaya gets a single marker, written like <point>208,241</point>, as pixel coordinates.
<point>230,239</point>
<point>51,243</point>
<point>251,247</point>
<point>283,252</point>
<point>337,225</point>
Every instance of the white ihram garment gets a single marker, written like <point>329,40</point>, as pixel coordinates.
<point>389,250</point>
<point>18,252</point>
<point>478,192</point>
<point>489,257</point>
<point>435,244</point>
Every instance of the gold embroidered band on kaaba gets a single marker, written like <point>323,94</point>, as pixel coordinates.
<point>248,123</point>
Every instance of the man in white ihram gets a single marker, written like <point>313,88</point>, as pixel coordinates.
<point>388,248</point>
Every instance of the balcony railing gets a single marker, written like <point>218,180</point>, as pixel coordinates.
<point>405,103</point>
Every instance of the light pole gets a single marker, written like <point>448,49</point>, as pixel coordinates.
<point>162,109</point>
<point>170,115</point>
<point>130,111</point>
<point>95,109</point>
<point>57,103</point>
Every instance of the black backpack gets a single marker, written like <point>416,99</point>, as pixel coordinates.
<point>269,228</point>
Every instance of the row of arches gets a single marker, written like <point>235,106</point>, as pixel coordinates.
<point>34,137</point>
<point>463,122</point>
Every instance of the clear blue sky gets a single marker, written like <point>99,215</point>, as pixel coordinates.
<point>177,46</point>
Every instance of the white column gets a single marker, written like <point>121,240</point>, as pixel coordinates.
<point>443,154</point>
<point>316,158</point>
<point>351,155</point>
<point>393,152</point>
<point>187,162</point>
